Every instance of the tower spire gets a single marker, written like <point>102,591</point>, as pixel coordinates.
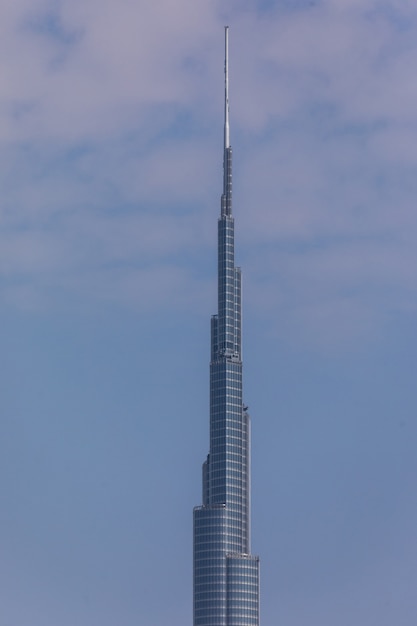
<point>226,204</point>
<point>226,88</point>
<point>226,575</point>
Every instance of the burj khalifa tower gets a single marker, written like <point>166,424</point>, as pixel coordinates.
<point>226,575</point>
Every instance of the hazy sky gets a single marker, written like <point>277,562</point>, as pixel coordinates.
<point>110,178</point>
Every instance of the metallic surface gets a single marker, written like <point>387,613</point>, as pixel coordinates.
<point>226,575</point>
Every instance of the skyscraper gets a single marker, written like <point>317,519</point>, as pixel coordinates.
<point>226,575</point>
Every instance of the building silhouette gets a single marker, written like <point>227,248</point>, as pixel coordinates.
<point>226,575</point>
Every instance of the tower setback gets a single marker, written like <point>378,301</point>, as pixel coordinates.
<point>226,575</point>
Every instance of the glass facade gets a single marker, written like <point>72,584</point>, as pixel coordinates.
<point>226,575</point>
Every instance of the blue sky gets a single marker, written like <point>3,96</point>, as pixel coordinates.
<point>111,157</point>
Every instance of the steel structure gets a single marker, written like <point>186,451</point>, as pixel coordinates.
<point>226,575</point>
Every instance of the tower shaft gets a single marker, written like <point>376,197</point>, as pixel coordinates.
<point>226,575</point>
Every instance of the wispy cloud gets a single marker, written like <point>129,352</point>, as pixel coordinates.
<point>109,156</point>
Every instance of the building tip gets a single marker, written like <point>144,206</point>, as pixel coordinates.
<point>226,90</point>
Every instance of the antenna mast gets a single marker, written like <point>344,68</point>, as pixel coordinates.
<point>227,150</point>
<point>226,88</point>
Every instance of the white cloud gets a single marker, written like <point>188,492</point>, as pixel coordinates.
<point>110,145</point>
